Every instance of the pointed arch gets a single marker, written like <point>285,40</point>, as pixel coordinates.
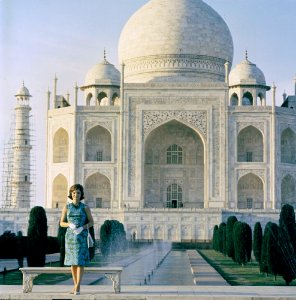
<point>247,99</point>
<point>250,145</point>
<point>98,144</point>
<point>288,146</point>
<point>61,146</point>
<point>250,192</point>
<point>260,99</point>
<point>288,191</point>
<point>174,153</point>
<point>114,99</point>
<point>98,191</point>
<point>89,98</point>
<point>234,99</point>
<point>59,191</point>
<point>101,96</point>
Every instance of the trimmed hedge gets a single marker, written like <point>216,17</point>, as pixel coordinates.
<point>37,237</point>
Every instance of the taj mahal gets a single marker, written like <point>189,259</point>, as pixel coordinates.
<point>174,141</point>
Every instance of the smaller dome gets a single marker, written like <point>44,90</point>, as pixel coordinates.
<point>102,73</point>
<point>246,73</point>
<point>23,92</point>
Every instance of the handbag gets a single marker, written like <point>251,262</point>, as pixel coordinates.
<point>90,242</point>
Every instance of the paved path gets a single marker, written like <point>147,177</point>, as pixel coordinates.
<point>203,273</point>
<point>209,286</point>
<point>91,292</point>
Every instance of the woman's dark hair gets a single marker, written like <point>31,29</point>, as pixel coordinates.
<point>74,188</point>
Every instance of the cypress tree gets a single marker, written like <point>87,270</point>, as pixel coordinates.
<point>229,236</point>
<point>221,237</point>
<point>112,237</point>
<point>287,223</point>
<point>224,241</point>
<point>242,239</point>
<point>216,238</point>
<point>272,248</point>
<point>21,245</point>
<point>37,237</point>
<point>8,245</point>
<point>105,237</point>
<point>257,241</point>
<point>264,253</point>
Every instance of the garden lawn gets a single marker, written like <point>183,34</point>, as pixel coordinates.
<point>236,274</point>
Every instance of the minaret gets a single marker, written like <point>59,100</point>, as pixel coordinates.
<point>21,179</point>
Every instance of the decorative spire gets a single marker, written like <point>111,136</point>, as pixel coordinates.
<point>105,61</point>
<point>246,53</point>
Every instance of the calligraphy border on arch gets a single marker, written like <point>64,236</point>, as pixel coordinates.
<point>105,124</point>
<point>198,119</point>
<point>259,172</point>
<point>104,171</point>
<point>242,125</point>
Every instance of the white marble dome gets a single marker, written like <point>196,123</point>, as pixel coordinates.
<point>246,73</point>
<point>23,92</point>
<point>175,40</point>
<point>103,73</point>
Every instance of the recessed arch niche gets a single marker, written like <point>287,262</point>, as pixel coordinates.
<point>288,146</point>
<point>98,144</point>
<point>288,191</point>
<point>61,146</point>
<point>98,191</point>
<point>59,191</point>
<point>250,194</point>
<point>160,171</point>
<point>250,145</point>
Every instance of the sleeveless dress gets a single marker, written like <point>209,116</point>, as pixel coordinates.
<point>76,250</point>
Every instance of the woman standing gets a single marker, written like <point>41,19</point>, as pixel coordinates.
<point>76,216</point>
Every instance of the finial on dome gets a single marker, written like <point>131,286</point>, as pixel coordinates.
<point>246,53</point>
<point>23,83</point>
<point>105,56</point>
<point>105,61</point>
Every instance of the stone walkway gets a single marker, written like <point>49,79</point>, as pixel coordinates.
<point>91,292</point>
<point>203,273</point>
<point>209,286</point>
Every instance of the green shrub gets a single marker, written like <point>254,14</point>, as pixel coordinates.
<point>257,241</point>
<point>229,236</point>
<point>242,239</point>
<point>112,237</point>
<point>271,256</point>
<point>8,245</point>
<point>216,238</point>
<point>287,223</point>
<point>37,237</point>
<point>221,235</point>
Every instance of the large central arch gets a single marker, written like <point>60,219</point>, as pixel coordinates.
<point>174,161</point>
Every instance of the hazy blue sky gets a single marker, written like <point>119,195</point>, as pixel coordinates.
<point>41,38</point>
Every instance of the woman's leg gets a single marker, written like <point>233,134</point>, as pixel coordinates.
<point>74,276</point>
<point>79,273</point>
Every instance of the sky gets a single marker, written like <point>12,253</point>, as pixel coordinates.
<point>41,38</point>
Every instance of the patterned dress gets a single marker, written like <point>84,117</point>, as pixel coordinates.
<point>76,250</point>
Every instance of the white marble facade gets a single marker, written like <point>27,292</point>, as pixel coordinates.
<point>178,141</point>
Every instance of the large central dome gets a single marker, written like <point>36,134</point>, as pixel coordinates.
<point>175,40</point>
